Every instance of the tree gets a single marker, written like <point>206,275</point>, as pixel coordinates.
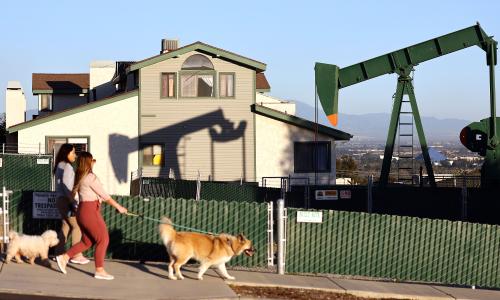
<point>348,167</point>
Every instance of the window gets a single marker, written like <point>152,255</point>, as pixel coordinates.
<point>80,143</point>
<point>312,157</point>
<point>45,102</point>
<point>152,155</point>
<point>197,77</point>
<point>226,85</point>
<point>197,85</point>
<point>197,62</point>
<point>167,85</point>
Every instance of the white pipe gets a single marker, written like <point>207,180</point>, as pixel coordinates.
<point>281,236</point>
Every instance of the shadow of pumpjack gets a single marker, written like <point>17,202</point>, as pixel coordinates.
<point>220,130</point>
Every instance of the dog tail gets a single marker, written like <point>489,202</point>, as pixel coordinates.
<point>13,235</point>
<point>167,231</point>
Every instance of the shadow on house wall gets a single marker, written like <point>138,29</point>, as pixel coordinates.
<point>220,130</point>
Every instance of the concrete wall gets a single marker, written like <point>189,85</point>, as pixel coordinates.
<point>285,106</point>
<point>275,155</point>
<point>101,73</point>
<point>113,132</point>
<point>184,125</point>
<point>15,104</point>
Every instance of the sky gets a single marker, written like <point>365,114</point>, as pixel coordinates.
<point>289,36</point>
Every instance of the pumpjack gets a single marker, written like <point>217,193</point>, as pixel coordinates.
<point>481,137</point>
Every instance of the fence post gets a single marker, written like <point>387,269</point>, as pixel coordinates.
<point>270,234</point>
<point>139,173</point>
<point>369,192</point>
<point>464,199</point>
<point>198,187</point>
<point>5,219</point>
<point>281,236</point>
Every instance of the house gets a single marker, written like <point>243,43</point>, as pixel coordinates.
<point>191,110</point>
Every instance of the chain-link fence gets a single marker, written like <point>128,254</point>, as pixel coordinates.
<point>394,247</point>
<point>206,190</point>
<point>136,238</point>
<point>26,171</point>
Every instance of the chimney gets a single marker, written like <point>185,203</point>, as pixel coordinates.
<point>15,104</point>
<point>168,45</point>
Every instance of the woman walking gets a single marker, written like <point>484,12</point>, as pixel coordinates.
<point>64,177</point>
<point>89,217</point>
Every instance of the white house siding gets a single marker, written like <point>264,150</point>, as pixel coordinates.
<point>112,129</point>
<point>274,150</point>
<point>189,120</point>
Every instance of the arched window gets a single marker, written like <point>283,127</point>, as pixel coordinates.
<point>197,62</point>
<point>197,77</point>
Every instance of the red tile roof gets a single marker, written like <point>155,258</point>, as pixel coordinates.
<point>60,82</point>
<point>261,82</point>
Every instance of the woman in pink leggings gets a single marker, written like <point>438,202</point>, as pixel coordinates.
<point>89,217</point>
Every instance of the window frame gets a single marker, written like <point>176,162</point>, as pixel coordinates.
<point>314,166</point>
<point>144,145</point>
<point>234,85</point>
<point>50,102</point>
<point>198,72</point>
<point>183,67</point>
<point>67,137</point>
<point>175,85</point>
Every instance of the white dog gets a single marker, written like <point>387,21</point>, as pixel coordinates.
<point>31,246</point>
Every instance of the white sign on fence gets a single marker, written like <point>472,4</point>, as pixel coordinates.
<point>42,161</point>
<point>44,206</point>
<point>309,216</point>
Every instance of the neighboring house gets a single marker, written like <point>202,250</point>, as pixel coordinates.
<point>187,110</point>
<point>57,92</point>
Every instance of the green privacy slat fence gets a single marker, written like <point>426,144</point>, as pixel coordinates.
<point>137,239</point>
<point>26,171</point>
<point>395,247</point>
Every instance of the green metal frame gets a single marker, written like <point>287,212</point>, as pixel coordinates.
<point>404,87</point>
<point>330,78</point>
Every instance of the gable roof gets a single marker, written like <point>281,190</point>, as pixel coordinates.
<point>336,134</point>
<point>73,110</point>
<point>60,83</point>
<point>261,83</point>
<point>203,48</point>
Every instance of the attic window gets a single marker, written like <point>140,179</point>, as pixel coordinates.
<point>197,62</point>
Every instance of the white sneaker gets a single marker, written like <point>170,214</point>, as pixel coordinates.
<point>80,260</point>
<point>61,263</point>
<point>104,276</point>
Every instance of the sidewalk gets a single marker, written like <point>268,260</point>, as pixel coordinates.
<point>149,281</point>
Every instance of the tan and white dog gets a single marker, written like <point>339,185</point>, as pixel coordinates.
<point>208,250</point>
<point>30,246</point>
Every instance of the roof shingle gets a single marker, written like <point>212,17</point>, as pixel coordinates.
<point>60,82</point>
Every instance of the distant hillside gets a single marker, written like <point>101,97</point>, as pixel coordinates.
<point>374,126</point>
